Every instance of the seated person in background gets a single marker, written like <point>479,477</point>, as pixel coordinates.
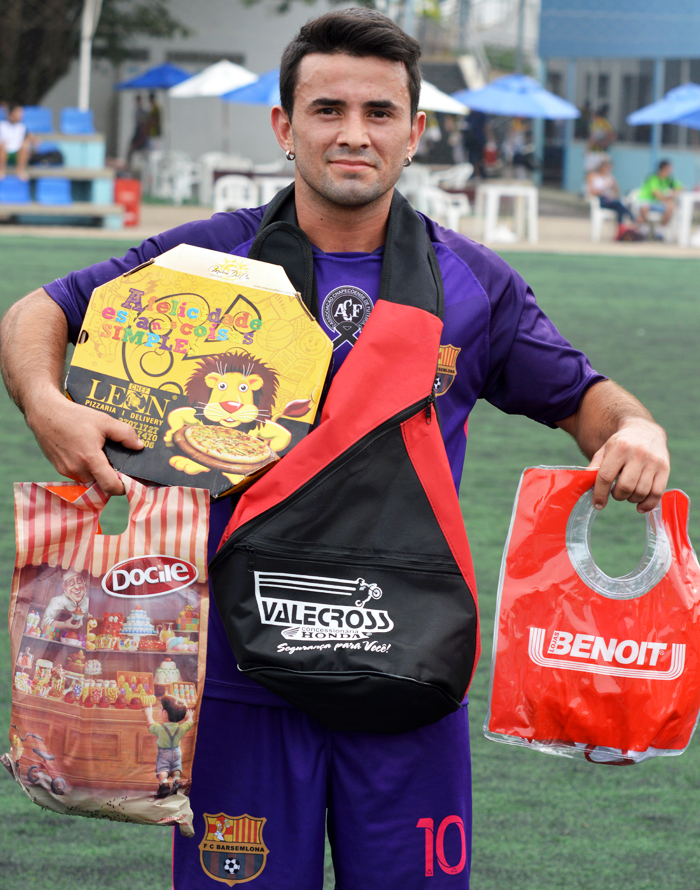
<point>15,142</point>
<point>601,184</point>
<point>658,192</point>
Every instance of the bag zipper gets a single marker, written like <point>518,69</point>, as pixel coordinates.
<point>425,404</point>
<point>429,565</point>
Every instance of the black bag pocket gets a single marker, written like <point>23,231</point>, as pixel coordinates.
<point>359,641</point>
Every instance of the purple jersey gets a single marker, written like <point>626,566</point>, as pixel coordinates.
<point>496,344</point>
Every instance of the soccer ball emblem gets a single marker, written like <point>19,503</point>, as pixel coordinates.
<point>232,866</point>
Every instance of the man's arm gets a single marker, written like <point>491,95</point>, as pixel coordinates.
<point>33,342</point>
<point>621,440</point>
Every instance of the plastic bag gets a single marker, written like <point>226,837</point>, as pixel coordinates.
<point>108,637</point>
<point>586,665</point>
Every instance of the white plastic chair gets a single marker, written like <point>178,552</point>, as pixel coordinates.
<point>231,192</point>
<point>270,185</point>
<point>175,177</point>
<point>654,217</point>
<point>445,206</point>
<point>271,168</point>
<point>219,160</point>
<point>454,178</point>
<point>411,183</point>
<point>599,215</point>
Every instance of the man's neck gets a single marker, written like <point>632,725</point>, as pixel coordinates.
<point>335,228</point>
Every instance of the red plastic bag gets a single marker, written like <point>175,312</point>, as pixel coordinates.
<point>104,630</point>
<point>586,665</point>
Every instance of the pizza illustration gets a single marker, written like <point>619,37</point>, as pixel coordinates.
<point>224,448</point>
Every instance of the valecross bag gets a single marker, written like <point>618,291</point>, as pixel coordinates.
<point>344,579</point>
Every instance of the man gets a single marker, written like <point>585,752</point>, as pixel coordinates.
<point>658,193</point>
<point>350,86</point>
<point>15,142</point>
<point>68,610</point>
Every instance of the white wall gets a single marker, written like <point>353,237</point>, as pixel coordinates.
<point>258,33</point>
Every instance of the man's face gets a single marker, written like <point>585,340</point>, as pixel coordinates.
<point>74,587</point>
<point>16,115</point>
<point>666,171</point>
<point>351,130</point>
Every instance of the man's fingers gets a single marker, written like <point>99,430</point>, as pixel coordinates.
<point>607,471</point>
<point>118,431</point>
<point>658,487</point>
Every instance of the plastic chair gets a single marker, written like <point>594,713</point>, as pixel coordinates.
<point>232,192</point>
<point>74,122</point>
<point>411,184</point>
<point>444,205</point>
<point>38,119</point>
<point>174,176</point>
<point>212,161</point>
<point>599,215</point>
<point>455,178</point>
<point>270,185</point>
<point>14,190</point>
<point>53,191</point>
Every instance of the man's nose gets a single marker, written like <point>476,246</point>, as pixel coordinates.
<point>354,132</point>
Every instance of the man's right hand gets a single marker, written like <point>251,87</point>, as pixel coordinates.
<point>34,334</point>
<point>73,436</point>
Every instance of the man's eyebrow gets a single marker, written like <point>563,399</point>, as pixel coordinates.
<point>373,103</point>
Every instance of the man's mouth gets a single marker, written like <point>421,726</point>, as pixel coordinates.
<point>350,164</point>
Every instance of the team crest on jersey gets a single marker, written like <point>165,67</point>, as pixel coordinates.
<point>232,850</point>
<point>446,368</point>
<point>345,311</point>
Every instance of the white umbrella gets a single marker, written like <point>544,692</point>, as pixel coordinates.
<point>217,79</point>
<point>433,99</point>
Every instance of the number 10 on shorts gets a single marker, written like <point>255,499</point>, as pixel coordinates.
<point>437,843</point>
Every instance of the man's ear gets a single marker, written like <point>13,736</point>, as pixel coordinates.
<point>282,126</point>
<point>417,129</point>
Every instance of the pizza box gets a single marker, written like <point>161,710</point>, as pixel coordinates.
<point>212,358</point>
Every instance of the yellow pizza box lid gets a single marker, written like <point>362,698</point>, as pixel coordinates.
<point>215,361</point>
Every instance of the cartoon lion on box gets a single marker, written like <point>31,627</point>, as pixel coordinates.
<point>232,390</point>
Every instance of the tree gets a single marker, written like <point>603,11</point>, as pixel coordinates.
<point>40,38</point>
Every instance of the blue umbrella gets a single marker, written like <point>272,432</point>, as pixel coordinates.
<point>690,120</point>
<point>264,91</point>
<point>677,103</point>
<point>517,95</point>
<point>680,102</point>
<point>161,77</point>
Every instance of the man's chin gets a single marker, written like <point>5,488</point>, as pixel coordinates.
<point>352,193</point>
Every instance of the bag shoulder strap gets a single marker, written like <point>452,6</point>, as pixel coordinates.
<point>410,271</point>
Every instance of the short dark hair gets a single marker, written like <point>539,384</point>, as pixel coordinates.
<point>357,32</point>
<point>175,708</point>
<point>663,163</point>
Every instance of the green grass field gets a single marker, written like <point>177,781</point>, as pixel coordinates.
<point>540,823</point>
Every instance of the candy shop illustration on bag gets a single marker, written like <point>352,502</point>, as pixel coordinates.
<point>586,665</point>
<point>108,636</point>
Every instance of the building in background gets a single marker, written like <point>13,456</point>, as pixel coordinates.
<point>252,36</point>
<point>620,55</point>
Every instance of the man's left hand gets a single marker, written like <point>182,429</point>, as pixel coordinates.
<point>637,456</point>
<point>622,441</point>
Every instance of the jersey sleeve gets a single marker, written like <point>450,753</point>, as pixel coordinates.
<point>531,369</point>
<point>223,232</point>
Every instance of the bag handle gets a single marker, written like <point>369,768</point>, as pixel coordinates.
<point>655,561</point>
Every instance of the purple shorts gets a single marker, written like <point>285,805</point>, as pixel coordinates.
<point>398,806</point>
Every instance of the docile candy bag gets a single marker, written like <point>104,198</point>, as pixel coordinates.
<point>108,639</point>
<point>586,665</point>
